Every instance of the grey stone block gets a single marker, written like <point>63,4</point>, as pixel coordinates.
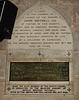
<point>66,13</point>
<point>77,16</point>
<point>75,35</point>
<point>3,45</point>
<point>68,2</point>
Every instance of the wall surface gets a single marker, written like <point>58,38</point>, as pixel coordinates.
<point>15,50</point>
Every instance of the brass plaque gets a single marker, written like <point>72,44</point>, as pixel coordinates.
<point>39,71</point>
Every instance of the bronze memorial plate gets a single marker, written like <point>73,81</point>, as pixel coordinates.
<point>39,71</point>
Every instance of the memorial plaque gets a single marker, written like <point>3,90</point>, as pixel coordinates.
<point>41,27</point>
<point>39,71</point>
<point>40,53</point>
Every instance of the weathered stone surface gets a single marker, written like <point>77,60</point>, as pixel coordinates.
<point>19,2</point>
<point>76,87</point>
<point>68,2</point>
<point>65,8</point>
<point>66,12</point>
<point>2,64</point>
<point>77,16</point>
<point>25,4</point>
<point>3,44</point>
<point>75,35</point>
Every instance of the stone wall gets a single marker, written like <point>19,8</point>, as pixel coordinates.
<point>69,10</point>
